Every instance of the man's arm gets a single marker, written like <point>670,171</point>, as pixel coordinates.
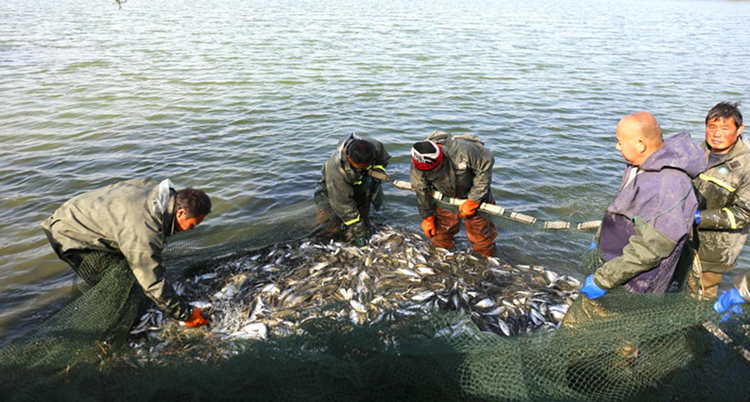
<point>423,190</point>
<point>482,167</point>
<point>734,216</point>
<point>149,272</point>
<point>644,251</point>
<point>341,197</point>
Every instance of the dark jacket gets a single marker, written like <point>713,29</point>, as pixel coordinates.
<point>132,217</point>
<point>466,172</point>
<point>340,182</point>
<point>647,224</point>
<point>724,201</point>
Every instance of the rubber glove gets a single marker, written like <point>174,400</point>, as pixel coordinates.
<point>468,208</point>
<point>196,319</point>
<point>729,300</point>
<point>591,290</point>
<point>360,241</point>
<point>697,218</point>
<point>428,226</point>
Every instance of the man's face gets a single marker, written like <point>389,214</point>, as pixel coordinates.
<point>722,134</point>
<point>359,166</point>
<point>630,146</point>
<point>182,222</point>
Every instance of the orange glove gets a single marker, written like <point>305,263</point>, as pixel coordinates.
<point>428,225</point>
<point>468,208</point>
<point>196,319</point>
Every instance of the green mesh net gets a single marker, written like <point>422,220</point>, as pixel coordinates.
<point>619,348</point>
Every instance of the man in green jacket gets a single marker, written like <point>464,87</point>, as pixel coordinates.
<point>346,190</point>
<point>458,166</point>
<point>132,218</point>
<point>723,195</point>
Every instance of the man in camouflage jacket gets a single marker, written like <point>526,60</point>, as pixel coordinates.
<point>723,195</point>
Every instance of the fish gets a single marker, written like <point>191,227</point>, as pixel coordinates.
<point>270,292</point>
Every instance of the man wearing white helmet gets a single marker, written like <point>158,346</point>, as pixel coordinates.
<point>459,167</point>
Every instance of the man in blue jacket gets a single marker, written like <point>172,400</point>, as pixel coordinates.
<point>647,224</point>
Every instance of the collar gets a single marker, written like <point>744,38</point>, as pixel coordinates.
<point>738,149</point>
<point>169,215</point>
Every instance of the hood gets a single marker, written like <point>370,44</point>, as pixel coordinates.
<point>678,152</point>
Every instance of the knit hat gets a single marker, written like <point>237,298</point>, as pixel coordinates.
<point>426,155</point>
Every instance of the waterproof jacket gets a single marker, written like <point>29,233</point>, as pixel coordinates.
<point>466,172</point>
<point>647,224</point>
<point>340,181</point>
<point>132,217</point>
<point>724,201</point>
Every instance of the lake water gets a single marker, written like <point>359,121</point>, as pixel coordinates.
<point>247,99</point>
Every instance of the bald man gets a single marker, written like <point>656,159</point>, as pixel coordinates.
<point>647,224</point>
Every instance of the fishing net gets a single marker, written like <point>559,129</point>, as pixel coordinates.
<point>621,347</point>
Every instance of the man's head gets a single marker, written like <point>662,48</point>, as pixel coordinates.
<point>360,154</point>
<point>723,127</point>
<point>427,155</point>
<point>638,136</point>
<point>192,206</point>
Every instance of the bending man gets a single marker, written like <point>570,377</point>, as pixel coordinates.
<point>132,218</point>
<point>459,167</point>
<point>346,190</point>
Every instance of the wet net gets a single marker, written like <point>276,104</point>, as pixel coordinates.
<point>621,347</point>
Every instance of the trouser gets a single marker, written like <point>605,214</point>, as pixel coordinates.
<point>480,231</point>
<point>710,282</point>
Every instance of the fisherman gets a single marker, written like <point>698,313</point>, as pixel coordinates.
<point>723,196</point>
<point>346,189</point>
<point>647,224</point>
<point>132,218</point>
<point>460,167</point>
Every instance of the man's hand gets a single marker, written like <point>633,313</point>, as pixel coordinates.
<point>428,226</point>
<point>468,208</point>
<point>196,319</point>
<point>729,300</point>
<point>360,241</point>
<point>591,290</point>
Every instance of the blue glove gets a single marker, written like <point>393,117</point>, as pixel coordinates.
<point>591,290</point>
<point>697,218</point>
<point>730,298</point>
<point>592,245</point>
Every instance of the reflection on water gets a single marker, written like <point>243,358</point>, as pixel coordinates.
<point>247,99</point>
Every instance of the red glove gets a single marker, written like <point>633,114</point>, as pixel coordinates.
<point>468,208</point>
<point>428,225</point>
<point>196,319</point>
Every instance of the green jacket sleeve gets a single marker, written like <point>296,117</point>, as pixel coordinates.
<point>645,250</point>
<point>423,190</point>
<point>382,158</point>
<point>149,272</point>
<point>482,166</point>
<point>142,247</point>
<point>341,196</point>
<point>735,216</point>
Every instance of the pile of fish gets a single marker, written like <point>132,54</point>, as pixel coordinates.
<point>272,291</point>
